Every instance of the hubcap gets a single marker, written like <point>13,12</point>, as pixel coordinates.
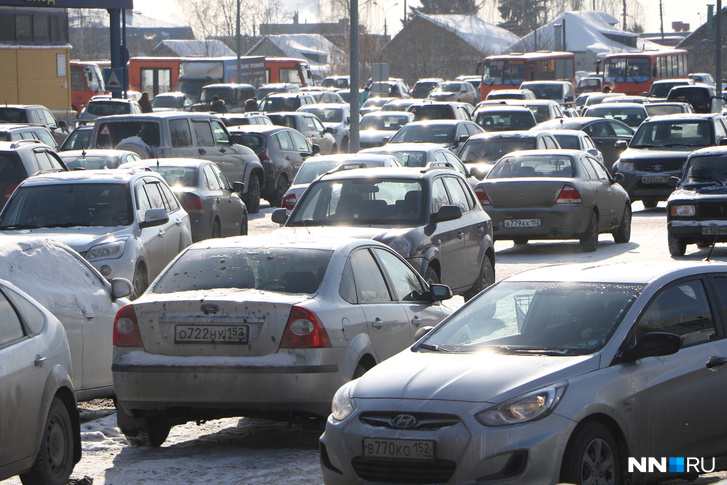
<point>598,466</point>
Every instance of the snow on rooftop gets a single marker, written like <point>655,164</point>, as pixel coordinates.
<point>314,47</point>
<point>194,48</point>
<point>482,35</point>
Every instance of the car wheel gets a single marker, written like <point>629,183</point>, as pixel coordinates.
<point>589,240</point>
<point>243,225</point>
<point>623,233</point>
<point>520,240</point>
<point>650,204</point>
<point>252,198</point>
<point>431,277</point>
<point>280,188</point>
<point>677,246</point>
<point>140,282</point>
<point>153,434</point>
<point>54,463</point>
<point>141,150</point>
<point>216,229</point>
<point>484,279</point>
<point>592,456</point>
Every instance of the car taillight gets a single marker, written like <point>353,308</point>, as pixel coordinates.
<point>304,330</point>
<point>289,201</point>
<point>192,203</point>
<point>569,195</point>
<point>9,189</point>
<point>264,155</point>
<point>482,196</point>
<point>126,329</point>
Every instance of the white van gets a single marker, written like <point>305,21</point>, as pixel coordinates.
<point>561,92</point>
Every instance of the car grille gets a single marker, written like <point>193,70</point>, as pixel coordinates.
<point>402,471</point>
<point>423,421</point>
<point>659,166</point>
<point>712,210</point>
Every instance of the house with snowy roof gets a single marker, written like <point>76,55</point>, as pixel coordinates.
<point>316,49</point>
<point>590,35</point>
<point>444,46</point>
<point>192,48</point>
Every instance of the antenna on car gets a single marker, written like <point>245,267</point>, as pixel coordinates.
<point>709,254</point>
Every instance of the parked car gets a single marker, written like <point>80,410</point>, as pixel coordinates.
<point>375,127</point>
<point>441,110</point>
<point>335,117</point>
<point>447,133</point>
<point>214,205</point>
<point>21,159</point>
<point>14,132</point>
<point>234,96</point>
<point>46,269</point>
<point>561,92</point>
<point>40,424</point>
<point>281,151</point>
<point>310,126</point>
<point>555,194</point>
<point>660,89</point>
<point>78,139</point>
<point>171,101</point>
<point>443,233</point>
<point>610,136</point>
<point>184,135</point>
<point>500,94</point>
<point>273,88</point>
<point>285,102</point>
<point>480,152</point>
<point>504,117</point>
<point>703,97</point>
<point>659,149</point>
<point>461,91</point>
<point>96,159</point>
<point>35,115</point>
<point>253,316</point>
<point>555,375</point>
<point>98,107</point>
<point>314,167</point>
<point>126,223</point>
<point>630,113</point>
<point>695,211</point>
<point>424,86</point>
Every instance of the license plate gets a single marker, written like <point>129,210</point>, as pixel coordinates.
<point>395,448</point>
<point>654,179</point>
<point>521,223</point>
<point>211,334</point>
<point>714,230</point>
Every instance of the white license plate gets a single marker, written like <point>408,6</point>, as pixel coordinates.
<point>714,231</point>
<point>395,448</point>
<point>521,223</point>
<point>211,334</point>
<point>654,179</point>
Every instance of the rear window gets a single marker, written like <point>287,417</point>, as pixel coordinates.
<point>310,171</point>
<point>13,115</point>
<point>492,150</point>
<point>552,166</point>
<point>106,108</point>
<point>111,133</point>
<point>281,270</point>
<point>432,112</point>
<point>251,140</point>
<point>389,123</point>
<point>184,176</point>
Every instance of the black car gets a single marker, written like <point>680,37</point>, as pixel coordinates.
<point>696,212</point>
<point>659,148</point>
<point>428,215</point>
<point>22,158</point>
<point>605,133</point>
<point>703,97</point>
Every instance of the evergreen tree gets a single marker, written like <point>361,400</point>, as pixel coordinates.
<point>438,7</point>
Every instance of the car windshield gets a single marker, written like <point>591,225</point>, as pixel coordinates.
<point>327,115</point>
<point>708,170</point>
<point>546,91</point>
<point>505,120</point>
<point>661,90</point>
<point>538,166</point>
<point>111,133</point>
<point>553,318</point>
<point>449,88</point>
<point>68,205</point>
<point>168,102</point>
<point>251,140</point>
<point>654,109</point>
<point>91,162</point>
<point>177,176</point>
<point>282,270</point>
<point>491,150</point>
<point>673,134</point>
<point>386,123</point>
<point>631,116</point>
<point>424,133</point>
<point>361,202</point>
<point>310,171</point>
<point>226,93</point>
<point>106,108</point>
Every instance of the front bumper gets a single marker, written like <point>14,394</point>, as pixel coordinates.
<point>648,185</point>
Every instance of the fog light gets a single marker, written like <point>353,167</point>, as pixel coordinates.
<point>106,270</point>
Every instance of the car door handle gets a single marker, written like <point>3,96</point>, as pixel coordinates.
<point>715,361</point>
<point>377,323</point>
<point>161,234</point>
<point>460,235</point>
<point>223,150</point>
<point>39,361</point>
<point>416,320</point>
<point>480,229</point>
<point>202,151</point>
<point>179,222</point>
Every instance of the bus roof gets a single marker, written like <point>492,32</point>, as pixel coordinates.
<point>531,55</point>
<point>647,53</point>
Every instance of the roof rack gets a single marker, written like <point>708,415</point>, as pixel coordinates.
<point>18,143</point>
<point>349,166</point>
<point>437,165</point>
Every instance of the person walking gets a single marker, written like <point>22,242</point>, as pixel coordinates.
<point>144,103</point>
<point>218,105</point>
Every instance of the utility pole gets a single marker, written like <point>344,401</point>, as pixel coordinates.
<point>237,43</point>
<point>718,48</point>
<point>661,19</point>
<point>405,25</point>
<point>355,141</point>
<point>624,14</point>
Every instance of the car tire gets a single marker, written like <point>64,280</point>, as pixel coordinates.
<point>592,456</point>
<point>518,241</point>
<point>650,204</point>
<point>153,434</point>
<point>252,198</point>
<point>484,279</point>
<point>216,229</point>
<point>677,246</point>
<point>140,282</point>
<point>244,225</point>
<point>589,240</point>
<point>54,463</point>
<point>141,150</point>
<point>623,233</point>
<point>431,277</point>
<point>276,200</point>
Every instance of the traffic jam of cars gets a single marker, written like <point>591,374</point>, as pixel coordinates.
<point>373,311</point>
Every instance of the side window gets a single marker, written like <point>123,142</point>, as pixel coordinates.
<point>181,135</point>
<point>10,326</point>
<point>142,200</point>
<point>719,132</point>
<point>300,142</point>
<point>462,131</point>
<point>601,173</point>
<point>211,179</point>
<point>407,287</point>
<point>284,141</point>
<point>44,160</point>
<point>468,193</point>
<point>203,132</point>
<point>682,310</point>
<point>45,137</point>
<point>224,182</point>
<point>221,136</point>
<point>33,318</point>
<point>370,282</point>
<point>172,204</point>
<point>456,193</point>
<point>156,199</point>
<point>347,290</point>
<point>48,119</point>
<point>588,169</point>
<point>620,130</point>
<point>550,143</point>
<point>318,125</point>
<point>439,195</point>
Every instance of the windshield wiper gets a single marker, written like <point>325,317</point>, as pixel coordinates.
<point>13,227</point>
<point>432,347</point>
<point>535,350</point>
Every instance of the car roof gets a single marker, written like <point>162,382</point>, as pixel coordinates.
<point>546,153</point>
<point>8,146</point>
<point>349,157</point>
<point>709,151</point>
<point>407,147</point>
<point>411,173</point>
<point>156,115</point>
<point>291,240</point>
<point>18,126</point>
<point>262,129</point>
<point>684,117</point>
<point>616,106</point>
<point>490,135</point>
<point>95,152</point>
<point>167,162</point>
<point>380,114</point>
<point>116,176</point>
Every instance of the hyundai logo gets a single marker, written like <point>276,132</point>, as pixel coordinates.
<point>208,308</point>
<point>404,421</point>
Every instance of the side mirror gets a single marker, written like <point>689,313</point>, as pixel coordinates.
<point>120,288</point>
<point>655,344</point>
<point>279,216</point>
<point>154,217</point>
<point>238,187</point>
<point>316,149</point>
<point>421,332</point>
<point>440,292</point>
<point>673,181</point>
<point>62,125</point>
<point>618,177</point>
<point>593,151</point>
<point>621,145</point>
<point>447,213</point>
<point>723,142</point>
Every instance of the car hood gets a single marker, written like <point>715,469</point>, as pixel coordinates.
<point>79,238</point>
<point>477,377</point>
<point>703,192</point>
<point>375,135</point>
<point>674,153</point>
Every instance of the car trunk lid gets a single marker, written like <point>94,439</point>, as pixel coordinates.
<point>523,192</point>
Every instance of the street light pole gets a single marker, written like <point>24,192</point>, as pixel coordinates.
<point>354,142</point>
<point>237,43</point>
<point>405,23</point>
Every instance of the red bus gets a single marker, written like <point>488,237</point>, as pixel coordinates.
<point>86,82</point>
<point>634,72</point>
<point>154,74</point>
<point>507,71</point>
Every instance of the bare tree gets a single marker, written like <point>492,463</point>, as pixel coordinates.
<point>218,18</point>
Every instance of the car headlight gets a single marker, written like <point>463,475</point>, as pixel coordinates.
<point>686,210</point>
<point>531,406</point>
<point>112,250</point>
<point>626,167</point>
<point>343,405</point>
<point>401,245</point>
